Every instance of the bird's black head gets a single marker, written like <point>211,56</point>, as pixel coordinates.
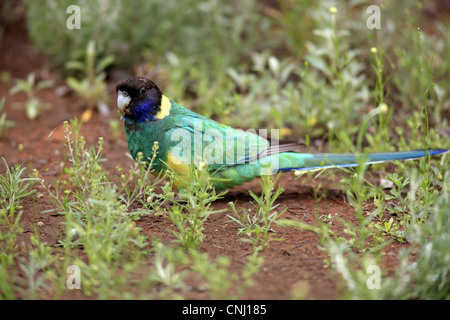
<point>138,99</point>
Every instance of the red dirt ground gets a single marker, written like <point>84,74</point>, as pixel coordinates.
<point>296,260</point>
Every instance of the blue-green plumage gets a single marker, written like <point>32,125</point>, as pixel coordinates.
<point>234,156</point>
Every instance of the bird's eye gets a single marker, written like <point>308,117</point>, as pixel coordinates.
<point>124,93</point>
<point>143,90</point>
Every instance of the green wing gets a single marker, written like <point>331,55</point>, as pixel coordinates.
<point>195,139</point>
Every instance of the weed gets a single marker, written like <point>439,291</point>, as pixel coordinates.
<point>379,137</point>
<point>84,173</point>
<point>91,88</point>
<point>259,226</point>
<point>391,228</point>
<point>261,93</point>
<point>137,185</point>
<point>166,274</point>
<point>4,123</point>
<point>192,208</point>
<point>220,281</point>
<point>35,267</point>
<point>33,106</point>
<point>13,187</point>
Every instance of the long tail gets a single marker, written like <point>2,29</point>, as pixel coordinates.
<point>287,161</point>
<point>305,161</point>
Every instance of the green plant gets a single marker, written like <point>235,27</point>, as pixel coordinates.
<point>165,268</point>
<point>95,204</point>
<point>392,228</point>
<point>378,137</point>
<point>221,283</point>
<point>192,207</point>
<point>172,265</point>
<point>216,273</point>
<point>4,123</point>
<point>430,275</point>
<point>84,176</point>
<point>7,278</point>
<point>259,226</point>
<point>33,281</point>
<point>395,194</point>
<point>423,271</point>
<point>261,92</point>
<point>36,269</point>
<point>150,29</point>
<point>13,187</point>
<point>91,88</point>
<point>87,220</point>
<point>82,169</point>
<point>288,16</point>
<point>33,106</point>
<point>123,32</point>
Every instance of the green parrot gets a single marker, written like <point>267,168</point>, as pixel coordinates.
<point>186,139</point>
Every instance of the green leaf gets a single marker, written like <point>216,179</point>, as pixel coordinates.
<point>44,84</point>
<point>75,65</point>
<point>104,63</point>
<point>75,84</point>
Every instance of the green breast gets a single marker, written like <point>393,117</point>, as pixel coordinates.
<point>142,136</point>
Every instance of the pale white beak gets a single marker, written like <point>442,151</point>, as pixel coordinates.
<point>123,99</point>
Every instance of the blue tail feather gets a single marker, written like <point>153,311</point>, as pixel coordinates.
<point>345,160</point>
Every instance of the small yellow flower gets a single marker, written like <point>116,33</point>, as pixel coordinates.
<point>202,166</point>
<point>383,107</point>
<point>285,132</point>
<point>373,50</point>
<point>333,10</point>
<point>311,122</point>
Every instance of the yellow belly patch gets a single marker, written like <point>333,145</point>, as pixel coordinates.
<point>183,171</point>
<point>165,108</point>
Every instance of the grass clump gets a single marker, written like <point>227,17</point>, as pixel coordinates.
<point>258,227</point>
<point>4,123</point>
<point>33,106</point>
<point>94,204</point>
<point>193,207</point>
<point>14,188</point>
<point>92,87</point>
